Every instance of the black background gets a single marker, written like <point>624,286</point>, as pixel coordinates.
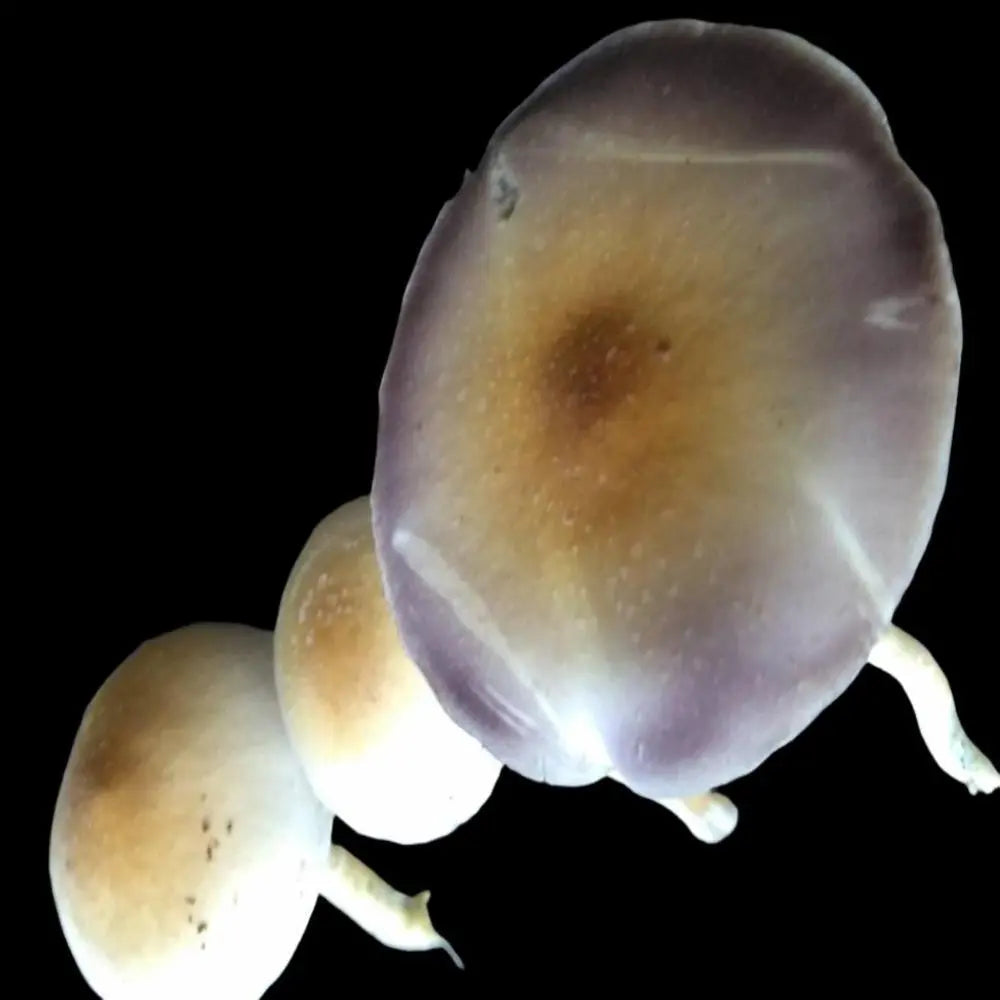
<point>223,215</point>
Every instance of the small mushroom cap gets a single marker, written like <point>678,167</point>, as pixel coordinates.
<point>667,417</point>
<point>186,844</point>
<point>376,745</point>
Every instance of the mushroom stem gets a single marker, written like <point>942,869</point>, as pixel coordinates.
<point>710,817</point>
<point>391,917</point>
<point>924,682</point>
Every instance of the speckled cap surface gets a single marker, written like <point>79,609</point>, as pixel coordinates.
<point>667,417</point>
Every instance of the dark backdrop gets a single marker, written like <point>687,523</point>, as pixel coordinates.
<point>224,213</point>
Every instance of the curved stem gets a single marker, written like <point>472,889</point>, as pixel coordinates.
<point>925,684</point>
<point>391,917</point>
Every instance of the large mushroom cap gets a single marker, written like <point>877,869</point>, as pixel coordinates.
<point>378,748</point>
<point>187,846</point>
<point>667,417</point>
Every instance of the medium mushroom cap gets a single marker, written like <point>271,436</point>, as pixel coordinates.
<point>378,748</point>
<point>186,846</point>
<point>667,417</point>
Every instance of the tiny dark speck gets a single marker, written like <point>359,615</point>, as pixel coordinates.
<point>505,196</point>
<point>209,851</point>
<point>190,900</point>
<point>202,926</point>
<point>202,945</point>
<point>205,824</point>
<point>229,826</point>
<point>190,919</point>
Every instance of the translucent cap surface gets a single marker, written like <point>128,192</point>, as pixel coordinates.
<point>667,417</point>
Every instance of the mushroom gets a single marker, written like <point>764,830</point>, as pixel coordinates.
<point>377,747</point>
<point>667,419</point>
<point>187,849</point>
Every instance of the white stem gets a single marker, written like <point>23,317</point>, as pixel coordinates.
<point>929,692</point>
<point>391,917</point>
<point>710,817</point>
